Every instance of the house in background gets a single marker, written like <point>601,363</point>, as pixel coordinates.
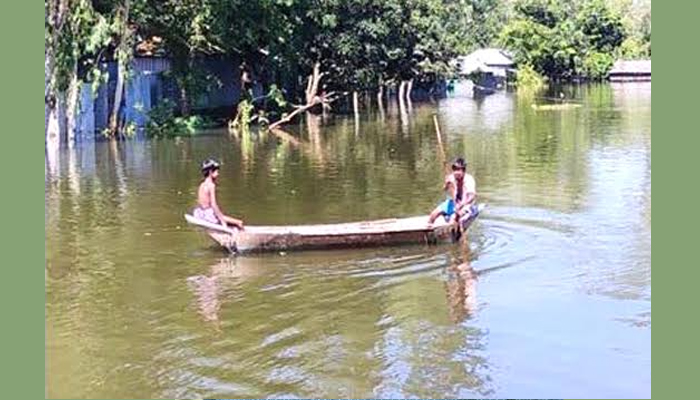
<point>630,71</point>
<point>149,83</point>
<point>487,68</point>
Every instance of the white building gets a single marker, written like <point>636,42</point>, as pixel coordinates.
<point>491,61</point>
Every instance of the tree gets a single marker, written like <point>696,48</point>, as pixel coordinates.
<point>544,35</point>
<point>483,20</point>
<point>187,30</point>
<point>637,24</point>
<point>602,27</point>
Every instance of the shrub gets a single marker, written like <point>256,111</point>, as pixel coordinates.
<point>162,122</point>
<point>596,65</point>
<point>528,79</point>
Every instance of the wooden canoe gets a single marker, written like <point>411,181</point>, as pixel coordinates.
<point>385,232</point>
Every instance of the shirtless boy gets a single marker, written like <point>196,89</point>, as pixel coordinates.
<point>207,207</point>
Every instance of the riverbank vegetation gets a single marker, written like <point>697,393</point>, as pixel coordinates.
<point>308,54</point>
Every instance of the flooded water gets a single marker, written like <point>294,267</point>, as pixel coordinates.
<point>559,304</point>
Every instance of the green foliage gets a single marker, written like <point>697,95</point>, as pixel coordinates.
<point>602,27</point>
<point>634,48</point>
<point>71,39</point>
<point>542,12</point>
<point>478,22</point>
<point>187,30</point>
<point>162,122</point>
<point>360,44</point>
<point>637,24</point>
<point>277,96</point>
<point>129,130</point>
<point>563,40</point>
<point>244,112</point>
<point>527,79</point>
<point>596,65</point>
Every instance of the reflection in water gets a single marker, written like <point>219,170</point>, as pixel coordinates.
<point>51,161</point>
<point>316,148</point>
<point>569,196</point>
<point>461,285</point>
<point>73,177</point>
<point>313,127</point>
<point>404,115</point>
<point>424,352</point>
<point>490,114</point>
<point>380,106</point>
<point>116,158</point>
<point>208,288</point>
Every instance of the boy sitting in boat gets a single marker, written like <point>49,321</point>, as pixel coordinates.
<point>460,203</point>
<point>207,207</point>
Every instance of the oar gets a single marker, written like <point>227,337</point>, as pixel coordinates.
<point>440,145</point>
<point>455,233</point>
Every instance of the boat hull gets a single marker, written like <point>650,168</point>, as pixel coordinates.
<point>388,232</point>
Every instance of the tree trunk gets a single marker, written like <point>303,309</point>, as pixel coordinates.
<point>48,59</point>
<point>312,98</point>
<point>355,105</point>
<point>409,103</point>
<point>402,106</point>
<point>118,93</point>
<point>48,70</point>
<point>323,100</point>
<point>245,79</point>
<point>55,13</point>
<point>49,97</point>
<point>121,72</point>
<point>185,107</point>
<point>402,92</point>
<point>380,101</point>
<point>53,128</point>
<point>72,106</point>
<point>312,85</point>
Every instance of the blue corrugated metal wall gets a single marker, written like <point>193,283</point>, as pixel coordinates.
<point>146,86</point>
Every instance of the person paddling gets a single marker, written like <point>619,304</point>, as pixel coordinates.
<point>461,189</point>
<point>207,207</point>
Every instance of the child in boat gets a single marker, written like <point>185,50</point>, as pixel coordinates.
<point>461,198</point>
<point>207,207</point>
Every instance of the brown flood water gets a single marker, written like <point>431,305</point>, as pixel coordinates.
<point>140,305</point>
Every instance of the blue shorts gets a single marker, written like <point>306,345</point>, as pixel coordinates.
<point>448,208</point>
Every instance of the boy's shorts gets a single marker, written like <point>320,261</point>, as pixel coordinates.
<point>206,214</point>
<point>448,209</point>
